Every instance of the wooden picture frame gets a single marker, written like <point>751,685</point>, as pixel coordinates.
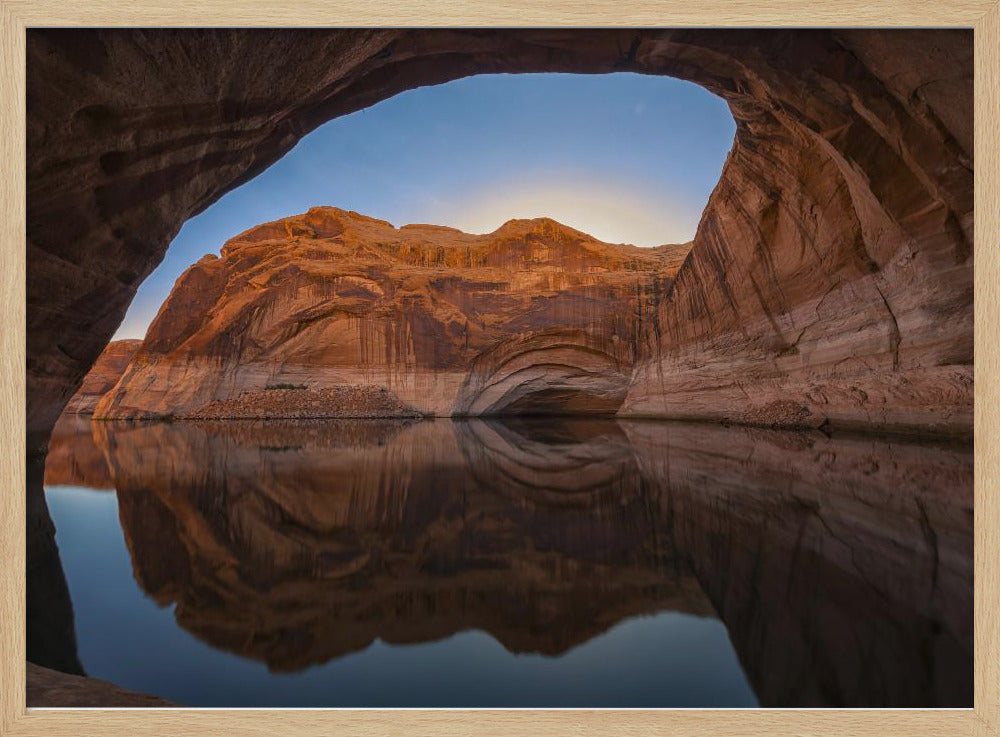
<point>17,15</point>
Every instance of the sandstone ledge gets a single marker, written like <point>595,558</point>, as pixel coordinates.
<point>48,688</point>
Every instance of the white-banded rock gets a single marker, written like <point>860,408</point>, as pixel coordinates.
<point>335,314</point>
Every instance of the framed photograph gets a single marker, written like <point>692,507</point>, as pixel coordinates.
<point>450,370</point>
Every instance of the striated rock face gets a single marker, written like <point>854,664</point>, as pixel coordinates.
<point>558,371</point>
<point>335,314</point>
<point>832,268</point>
<point>104,374</point>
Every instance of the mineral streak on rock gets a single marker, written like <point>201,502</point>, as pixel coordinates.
<point>335,314</point>
<point>831,277</point>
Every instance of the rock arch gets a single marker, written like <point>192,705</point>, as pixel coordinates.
<point>545,373</point>
<point>832,268</point>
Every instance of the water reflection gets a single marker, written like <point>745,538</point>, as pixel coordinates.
<point>841,567</point>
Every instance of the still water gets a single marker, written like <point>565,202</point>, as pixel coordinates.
<point>517,563</point>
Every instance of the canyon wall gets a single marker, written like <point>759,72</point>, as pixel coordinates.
<point>830,278</point>
<point>335,314</point>
<point>103,375</point>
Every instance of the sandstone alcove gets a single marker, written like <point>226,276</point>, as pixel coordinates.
<point>535,193</point>
<point>550,372</point>
<point>830,280</point>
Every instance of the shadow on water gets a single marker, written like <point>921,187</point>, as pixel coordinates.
<point>841,567</point>
<point>50,637</point>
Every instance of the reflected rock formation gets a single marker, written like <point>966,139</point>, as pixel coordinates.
<point>50,635</point>
<point>294,544</point>
<point>73,458</point>
<point>841,566</point>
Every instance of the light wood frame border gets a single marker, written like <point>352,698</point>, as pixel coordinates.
<point>17,15</point>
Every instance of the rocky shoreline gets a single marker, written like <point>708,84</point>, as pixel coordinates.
<point>47,688</point>
<point>300,402</point>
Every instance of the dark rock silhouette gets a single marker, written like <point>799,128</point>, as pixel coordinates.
<point>51,637</point>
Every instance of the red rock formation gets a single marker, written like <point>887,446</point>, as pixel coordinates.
<point>831,276</point>
<point>832,268</point>
<point>557,371</point>
<point>335,314</point>
<point>104,374</point>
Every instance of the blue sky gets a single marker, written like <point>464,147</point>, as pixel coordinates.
<point>625,157</point>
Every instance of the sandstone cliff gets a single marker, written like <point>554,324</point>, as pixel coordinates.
<point>105,373</point>
<point>332,313</point>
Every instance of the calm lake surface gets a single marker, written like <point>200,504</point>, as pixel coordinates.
<point>518,563</point>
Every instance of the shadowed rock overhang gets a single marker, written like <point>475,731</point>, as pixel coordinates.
<point>830,278</point>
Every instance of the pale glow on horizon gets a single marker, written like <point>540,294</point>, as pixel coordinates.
<point>609,211</point>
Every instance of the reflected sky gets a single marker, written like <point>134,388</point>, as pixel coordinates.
<point>486,563</point>
<point>663,659</point>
